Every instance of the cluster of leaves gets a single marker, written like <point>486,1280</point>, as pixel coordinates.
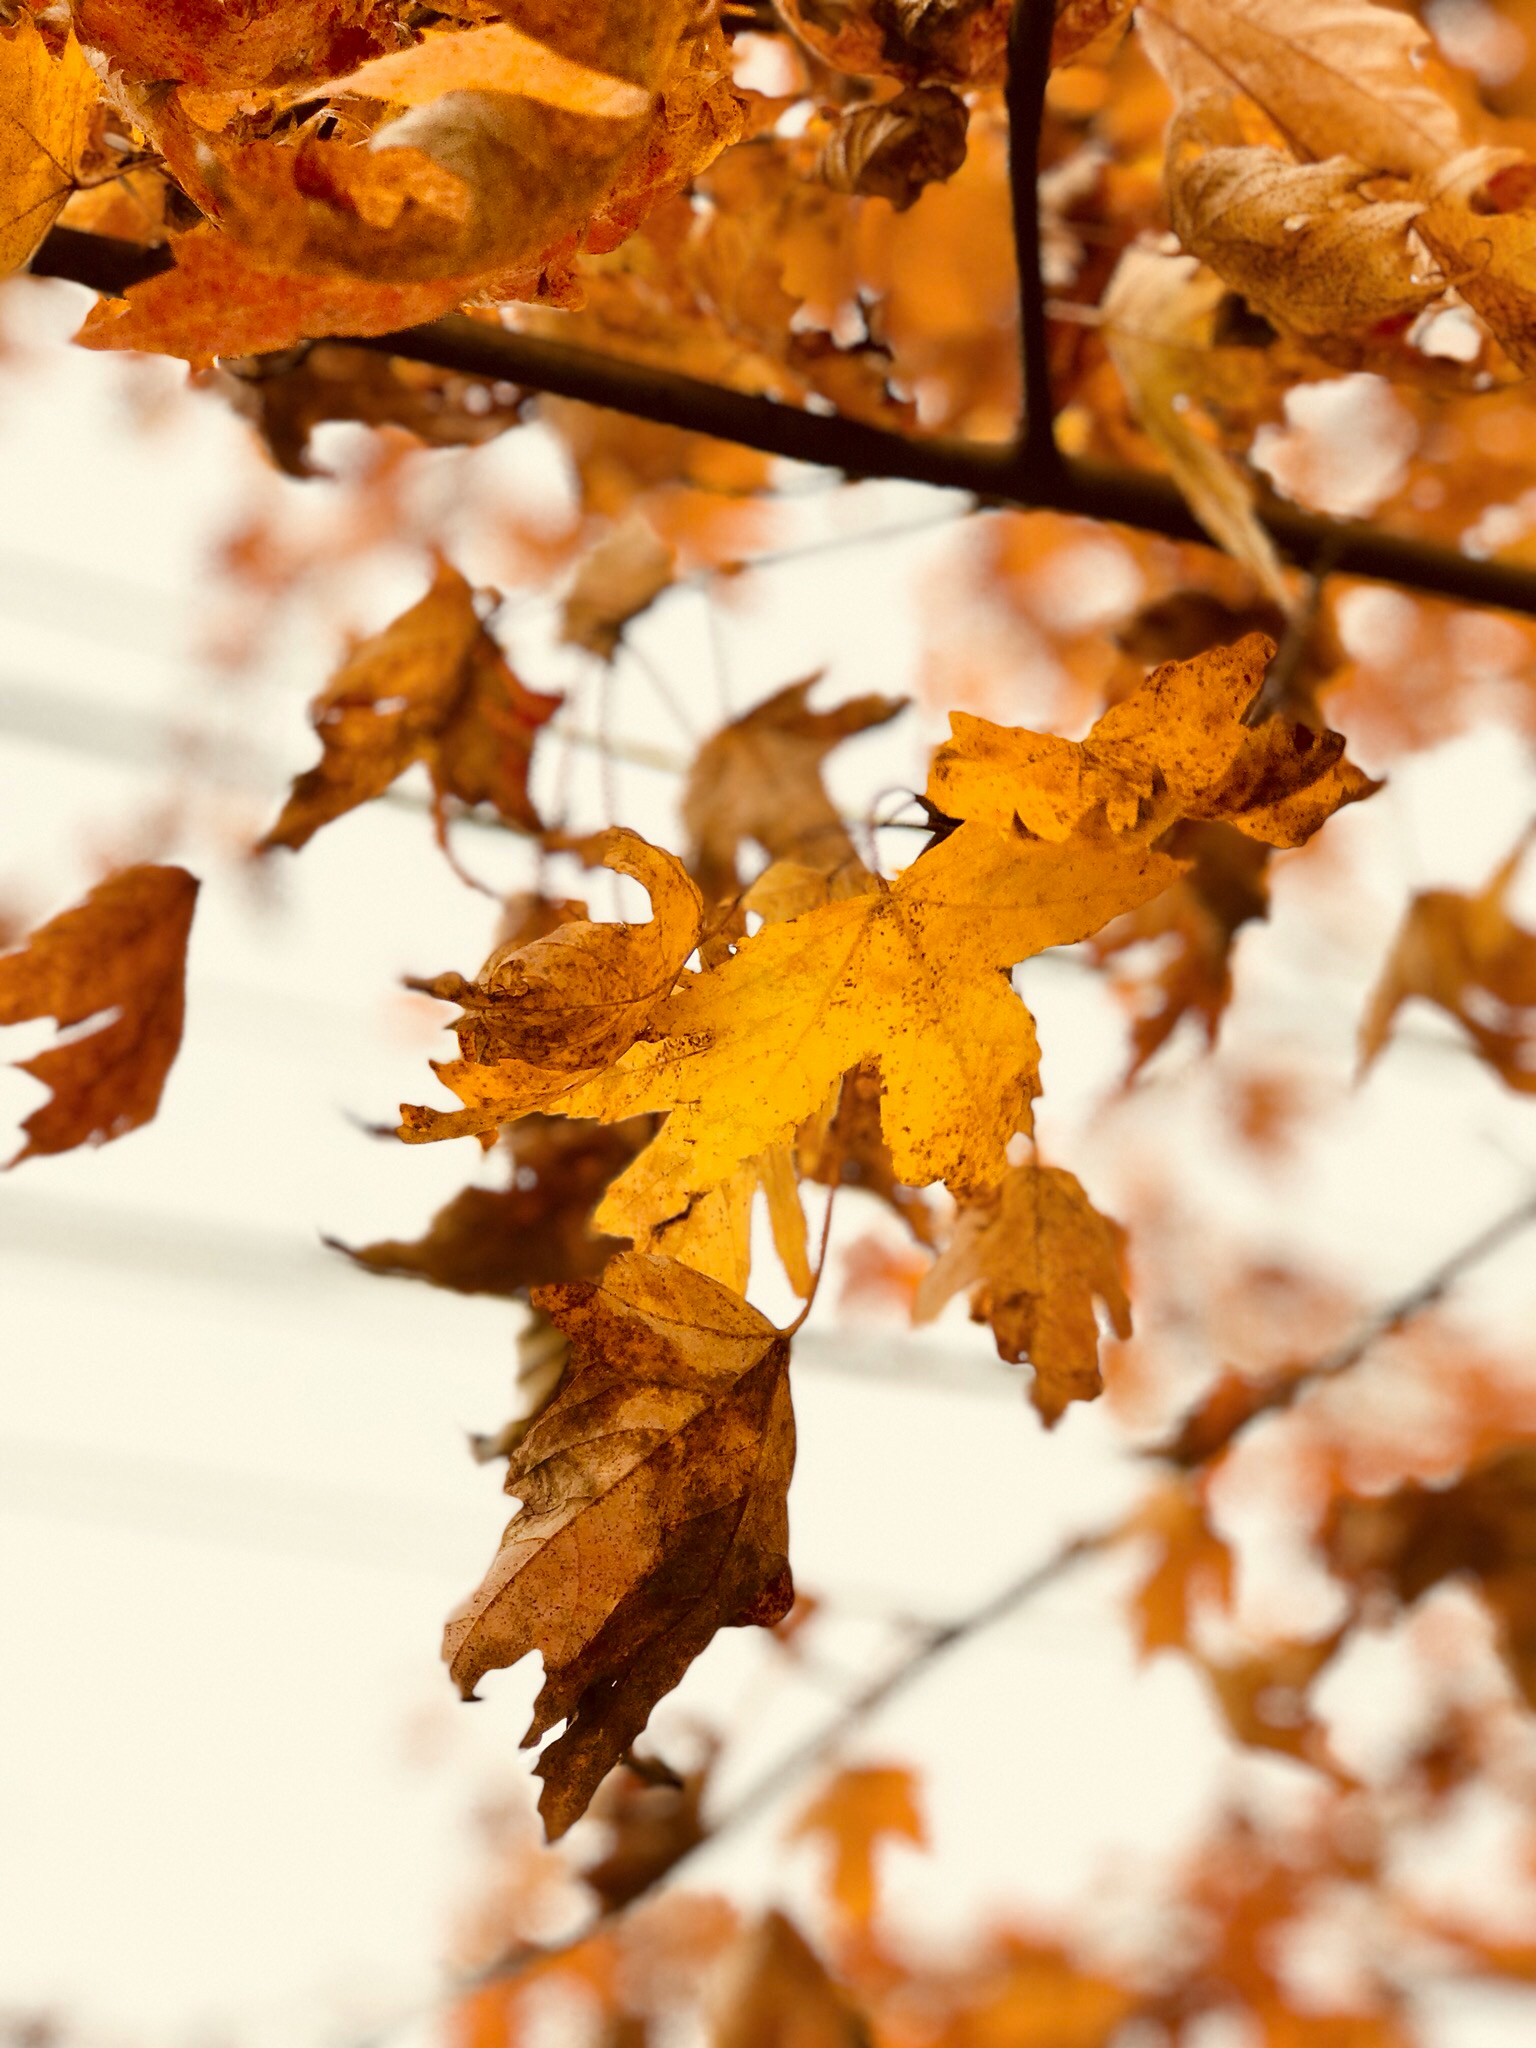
<point>1221,1928</point>
<point>793,1017</point>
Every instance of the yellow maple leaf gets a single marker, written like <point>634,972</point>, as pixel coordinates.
<point>1177,747</point>
<point>1035,1255</point>
<point>45,128</point>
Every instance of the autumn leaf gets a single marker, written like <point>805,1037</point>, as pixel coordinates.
<point>1177,747</point>
<point>858,1812</point>
<point>621,578</point>
<point>894,149</point>
<point>1482,1525</point>
<point>505,1240</point>
<point>1085,27</point>
<point>119,955</point>
<point>432,687</point>
<point>1301,242</point>
<point>1193,926</point>
<point>956,42</point>
<point>1190,1565</point>
<point>759,780</point>
<point>46,106</point>
<point>543,1013</point>
<point>1159,323</point>
<point>653,1513</point>
<point>654,1826</point>
<point>1265,1698</point>
<point>775,1990</point>
<point>220,300</point>
<point>1334,76</point>
<point>905,979</point>
<point>286,402</point>
<point>1350,78</point>
<point>235,43</point>
<point>1467,956</point>
<point>1035,1256</point>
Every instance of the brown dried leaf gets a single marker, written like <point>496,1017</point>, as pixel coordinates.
<point>221,300</point>
<point>286,399</point>
<point>653,1513</point>
<point>759,779</point>
<point>777,1994</point>
<point>1301,242</point>
<point>622,577</point>
<point>432,687</point>
<point>655,1825</point>
<point>542,1015</point>
<point>536,1229</point>
<point>1419,1535</point>
<point>1159,315</point>
<point>893,149</point>
<point>1225,886</point>
<point>960,42</point>
<point>120,955</point>
<point>235,43</point>
<point>1467,956</point>
<point>1035,1256</point>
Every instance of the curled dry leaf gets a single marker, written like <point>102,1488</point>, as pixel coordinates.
<point>535,1229</point>
<point>1087,27</point>
<point>622,577</point>
<point>1036,1255</point>
<point>1177,747</point>
<point>120,955</point>
<point>860,1810</point>
<point>1419,1535</point>
<point>432,687</point>
<point>1159,324</point>
<point>653,1513</point>
<point>46,105</point>
<point>895,148</point>
<point>543,1013</point>
<point>759,780</point>
<point>1467,956</point>
<point>957,42</point>
<point>1301,242</point>
<point>1354,79</point>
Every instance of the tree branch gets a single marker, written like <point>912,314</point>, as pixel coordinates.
<point>990,473</point>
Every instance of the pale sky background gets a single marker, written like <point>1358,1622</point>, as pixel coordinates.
<point>235,1500</point>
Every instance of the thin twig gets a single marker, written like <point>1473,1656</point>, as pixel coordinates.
<point>1196,1447</point>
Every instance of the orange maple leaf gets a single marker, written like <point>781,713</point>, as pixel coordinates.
<point>120,955</point>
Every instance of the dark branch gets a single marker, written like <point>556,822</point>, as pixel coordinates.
<point>1122,497</point>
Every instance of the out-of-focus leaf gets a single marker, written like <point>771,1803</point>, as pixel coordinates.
<point>119,955</point>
